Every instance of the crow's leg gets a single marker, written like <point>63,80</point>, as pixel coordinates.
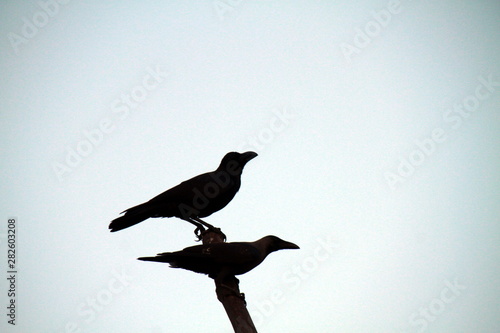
<point>199,228</point>
<point>200,221</point>
<point>208,225</point>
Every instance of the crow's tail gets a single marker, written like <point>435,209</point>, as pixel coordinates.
<point>132,216</point>
<point>159,258</point>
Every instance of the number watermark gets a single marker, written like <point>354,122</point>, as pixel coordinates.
<point>11,271</point>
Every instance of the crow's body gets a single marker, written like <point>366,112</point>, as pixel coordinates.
<point>192,199</point>
<point>221,260</point>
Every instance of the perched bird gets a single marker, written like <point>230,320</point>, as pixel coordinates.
<point>192,199</point>
<point>223,260</point>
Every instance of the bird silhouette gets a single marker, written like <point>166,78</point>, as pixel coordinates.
<point>194,198</point>
<point>222,260</point>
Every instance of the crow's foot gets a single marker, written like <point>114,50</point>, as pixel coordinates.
<point>218,231</point>
<point>199,231</point>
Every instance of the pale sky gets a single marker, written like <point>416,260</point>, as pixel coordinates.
<point>377,128</point>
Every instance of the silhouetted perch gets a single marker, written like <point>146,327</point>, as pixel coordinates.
<point>234,304</point>
<point>229,294</point>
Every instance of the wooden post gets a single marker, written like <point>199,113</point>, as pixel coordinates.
<point>229,294</point>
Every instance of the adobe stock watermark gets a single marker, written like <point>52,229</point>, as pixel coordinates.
<point>94,304</point>
<point>31,26</point>
<point>453,118</point>
<point>220,180</point>
<point>225,7</point>
<point>120,109</point>
<point>278,122</point>
<point>292,279</point>
<point>371,30</point>
<point>430,312</point>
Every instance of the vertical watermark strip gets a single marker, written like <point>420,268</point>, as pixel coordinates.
<point>11,271</point>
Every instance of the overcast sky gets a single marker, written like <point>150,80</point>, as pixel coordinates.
<point>377,128</point>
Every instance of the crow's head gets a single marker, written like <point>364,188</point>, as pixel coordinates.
<point>234,162</point>
<point>273,243</point>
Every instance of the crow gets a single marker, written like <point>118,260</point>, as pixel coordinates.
<point>192,199</point>
<point>223,260</point>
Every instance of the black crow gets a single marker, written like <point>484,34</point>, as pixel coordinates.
<point>223,260</point>
<point>192,199</point>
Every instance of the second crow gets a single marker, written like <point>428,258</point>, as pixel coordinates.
<point>223,260</point>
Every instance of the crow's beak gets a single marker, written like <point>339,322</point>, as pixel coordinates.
<point>245,157</point>
<point>289,245</point>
